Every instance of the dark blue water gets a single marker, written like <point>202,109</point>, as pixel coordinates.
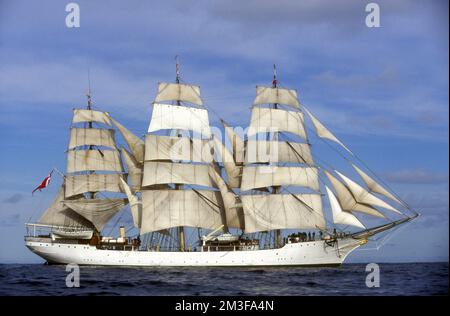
<point>395,279</point>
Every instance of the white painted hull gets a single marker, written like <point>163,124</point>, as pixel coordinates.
<point>313,253</point>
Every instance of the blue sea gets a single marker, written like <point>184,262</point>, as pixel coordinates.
<point>349,279</point>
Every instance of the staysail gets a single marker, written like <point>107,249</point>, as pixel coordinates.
<point>340,216</point>
<point>324,132</point>
<point>348,201</point>
<point>364,196</point>
<point>375,186</point>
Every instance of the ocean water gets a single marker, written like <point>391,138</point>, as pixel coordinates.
<point>349,279</point>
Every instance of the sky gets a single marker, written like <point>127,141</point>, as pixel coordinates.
<point>383,91</point>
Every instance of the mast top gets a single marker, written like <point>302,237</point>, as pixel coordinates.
<point>274,81</point>
<point>177,69</point>
<point>88,94</point>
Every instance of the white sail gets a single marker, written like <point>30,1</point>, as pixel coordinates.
<point>164,209</point>
<point>178,92</point>
<point>93,160</point>
<point>266,95</point>
<point>375,186</point>
<point>91,136</point>
<point>134,170</point>
<point>262,151</point>
<point>340,216</point>
<point>265,120</point>
<point>265,176</point>
<point>233,213</point>
<point>165,116</point>
<point>159,147</point>
<point>364,196</point>
<point>348,201</point>
<point>156,173</point>
<point>135,204</point>
<point>97,211</point>
<point>135,144</point>
<point>324,132</point>
<point>234,172</point>
<point>81,116</point>
<point>78,184</point>
<point>238,145</point>
<point>282,211</point>
<point>60,215</point>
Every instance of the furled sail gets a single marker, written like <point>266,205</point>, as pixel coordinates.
<point>375,186</point>
<point>178,92</point>
<point>348,201</point>
<point>135,170</point>
<point>282,211</point>
<point>233,213</point>
<point>78,184</point>
<point>266,95</point>
<point>135,144</point>
<point>164,209</point>
<point>234,172</point>
<point>265,176</point>
<point>165,116</point>
<point>262,151</point>
<point>324,132</point>
<point>364,196</point>
<point>340,216</point>
<point>59,214</point>
<point>93,159</point>
<point>156,173</point>
<point>265,120</point>
<point>159,147</point>
<point>97,211</point>
<point>91,136</point>
<point>81,116</point>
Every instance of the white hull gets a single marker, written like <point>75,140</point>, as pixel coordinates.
<point>313,253</point>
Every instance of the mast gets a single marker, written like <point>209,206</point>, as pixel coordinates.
<point>89,107</point>
<point>276,189</point>
<point>264,173</point>
<point>174,167</point>
<point>181,238</point>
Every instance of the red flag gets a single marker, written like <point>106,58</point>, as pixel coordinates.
<point>44,183</point>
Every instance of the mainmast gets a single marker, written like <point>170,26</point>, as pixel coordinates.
<point>176,168</point>
<point>181,239</point>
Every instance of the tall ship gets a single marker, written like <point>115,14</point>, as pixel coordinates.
<point>262,198</point>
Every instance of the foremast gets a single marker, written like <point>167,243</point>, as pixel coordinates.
<point>279,185</point>
<point>272,167</point>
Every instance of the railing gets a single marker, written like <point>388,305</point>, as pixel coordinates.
<point>35,227</point>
